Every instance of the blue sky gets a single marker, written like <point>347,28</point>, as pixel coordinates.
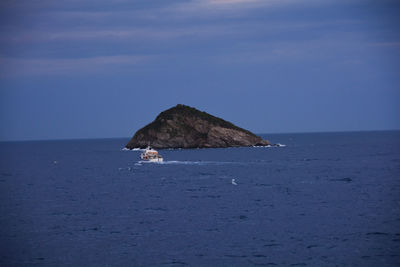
<point>93,69</point>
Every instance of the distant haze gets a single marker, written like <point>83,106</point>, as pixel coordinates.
<point>92,69</point>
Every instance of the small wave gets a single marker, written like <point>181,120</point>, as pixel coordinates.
<point>126,168</point>
<point>275,145</point>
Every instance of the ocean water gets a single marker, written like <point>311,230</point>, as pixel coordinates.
<point>328,199</point>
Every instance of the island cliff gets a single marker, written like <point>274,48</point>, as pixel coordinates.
<point>186,127</point>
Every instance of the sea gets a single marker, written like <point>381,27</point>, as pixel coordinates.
<point>322,199</point>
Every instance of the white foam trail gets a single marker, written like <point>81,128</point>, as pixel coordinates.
<point>175,162</point>
<point>171,162</point>
<point>133,149</point>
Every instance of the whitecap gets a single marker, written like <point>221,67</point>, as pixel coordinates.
<point>275,145</point>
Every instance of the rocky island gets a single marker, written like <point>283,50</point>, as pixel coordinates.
<point>186,127</point>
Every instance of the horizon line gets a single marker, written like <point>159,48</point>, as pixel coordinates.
<point>125,137</point>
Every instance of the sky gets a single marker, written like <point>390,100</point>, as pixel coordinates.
<point>103,69</point>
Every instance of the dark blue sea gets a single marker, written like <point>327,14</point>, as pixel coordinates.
<point>326,199</point>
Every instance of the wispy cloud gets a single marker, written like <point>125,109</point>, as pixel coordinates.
<point>231,7</point>
<point>138,34</point>
<point>170,29</point>
<point>152,24</point>
<point>227,4</point>
<point>180,10</point>
<point>66,66</point>
<point>338,48</point>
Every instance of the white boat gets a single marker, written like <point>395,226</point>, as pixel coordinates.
<point>151,155</point>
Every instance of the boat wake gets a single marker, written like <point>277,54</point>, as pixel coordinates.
<point>134,149</point>
<point>177,162</point>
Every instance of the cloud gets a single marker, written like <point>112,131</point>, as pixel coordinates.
<point>155,23</point>
<point>176,10</point>
<point>331,48</point>
<point>66,66</point>
<point>231,7</point>
<point>134,34</point>
<point>175,29</point>
<point>228,4</point>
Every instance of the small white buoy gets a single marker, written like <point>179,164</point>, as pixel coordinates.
<point>233,182</point>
